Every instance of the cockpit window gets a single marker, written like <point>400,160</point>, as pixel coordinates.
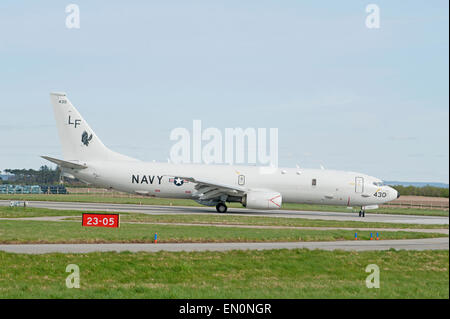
<point>379,184</point>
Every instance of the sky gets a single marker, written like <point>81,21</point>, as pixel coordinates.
<point>342,95</point>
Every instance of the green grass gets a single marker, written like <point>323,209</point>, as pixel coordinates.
<point>186,202</point>
<point>264,221</point>
<point>19,231</point>
<point>234,274</point>
<point>19,212</point>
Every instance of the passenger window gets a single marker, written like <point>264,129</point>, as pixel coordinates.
<point>314,182</point>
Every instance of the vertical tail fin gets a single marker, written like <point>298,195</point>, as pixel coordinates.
<point>79,142</point>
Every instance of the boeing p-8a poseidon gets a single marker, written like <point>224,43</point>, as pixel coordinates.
<point>86,158</point>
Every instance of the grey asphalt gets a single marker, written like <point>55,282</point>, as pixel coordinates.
<point>362,245</point>
<point>157,210</point>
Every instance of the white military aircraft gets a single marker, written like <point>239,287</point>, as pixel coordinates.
<point>85,157</point>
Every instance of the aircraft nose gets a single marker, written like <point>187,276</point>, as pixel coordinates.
<point>395,193</point>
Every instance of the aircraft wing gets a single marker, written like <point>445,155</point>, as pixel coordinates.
<point>208,190</point>
<point>63,163</point>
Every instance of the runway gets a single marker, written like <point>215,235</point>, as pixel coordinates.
<point>158,210</point>
<point>407,244</point>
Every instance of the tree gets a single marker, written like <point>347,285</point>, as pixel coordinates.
<point>427,190</point>
<point>45,175</point>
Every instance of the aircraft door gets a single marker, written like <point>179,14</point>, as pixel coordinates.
<point>359,184</point>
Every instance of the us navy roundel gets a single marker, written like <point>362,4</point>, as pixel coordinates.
<point>178,181</point>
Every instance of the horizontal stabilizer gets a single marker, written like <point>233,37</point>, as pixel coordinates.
<point>65,164</point>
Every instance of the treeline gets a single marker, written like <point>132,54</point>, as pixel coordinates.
<point>431,191</point>
<point>45,175</point>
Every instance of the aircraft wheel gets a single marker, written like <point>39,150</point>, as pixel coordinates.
<point>221,208</point>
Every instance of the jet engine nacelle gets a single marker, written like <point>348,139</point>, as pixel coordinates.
<point>262,200</point>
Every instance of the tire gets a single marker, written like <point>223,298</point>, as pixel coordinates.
<point>221,208</point>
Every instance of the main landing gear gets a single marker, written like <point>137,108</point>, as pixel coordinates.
<point>362,212</point>
<point>221,208</point>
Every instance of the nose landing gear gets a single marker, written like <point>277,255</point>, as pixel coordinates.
<point>221,208</point>
<point>362,212</point>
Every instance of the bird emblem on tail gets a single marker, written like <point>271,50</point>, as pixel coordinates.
<point>86,138</point>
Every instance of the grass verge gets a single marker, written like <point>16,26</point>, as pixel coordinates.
<point>264,221</point>
<point>20,231</point>
<point>20,212</point>
<point>235,274</point>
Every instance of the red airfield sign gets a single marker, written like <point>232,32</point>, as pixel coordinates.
<point>100,220</point>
